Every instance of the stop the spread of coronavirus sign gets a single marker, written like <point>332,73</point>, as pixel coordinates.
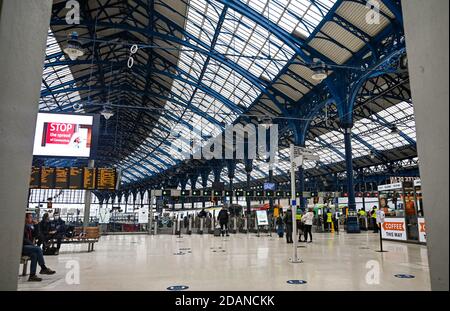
<point>394,229</point>
<point>59,133</point>
<point>63,135</point>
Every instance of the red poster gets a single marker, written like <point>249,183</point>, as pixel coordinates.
<point>59,133</point>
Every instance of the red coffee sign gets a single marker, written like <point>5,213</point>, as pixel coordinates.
<point>393,226</point>
<point>59,133</point>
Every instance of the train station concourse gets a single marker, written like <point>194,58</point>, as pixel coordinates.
<point>197,146</point>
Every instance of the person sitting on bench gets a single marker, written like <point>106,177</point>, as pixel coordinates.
<point>47,232</point>
<point>33,251</point>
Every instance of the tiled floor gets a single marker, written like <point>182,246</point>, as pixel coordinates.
<point>239,262</point>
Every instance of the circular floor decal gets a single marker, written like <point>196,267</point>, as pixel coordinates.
<point>405,276</point>
<point>296,282</point>
<point>177,287</point>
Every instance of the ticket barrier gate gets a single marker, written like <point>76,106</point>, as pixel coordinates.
<point>211,224</point>
<point>232,225</point>
<point>252,224</point>
<point>243,224</point>
<point>363,223</point>
<point>166,225</point>
<point>201,225</point>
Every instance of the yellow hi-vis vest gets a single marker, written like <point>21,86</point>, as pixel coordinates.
<point>374,214</point>
<point>329,217</point>
<point>298,216</point>
<point>362,213</point>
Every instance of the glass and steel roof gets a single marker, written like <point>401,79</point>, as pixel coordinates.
<point>201,65</point>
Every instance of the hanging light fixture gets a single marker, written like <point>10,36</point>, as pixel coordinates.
<point>319,69</point>
<point>394,129</point>
<point>107,112</point>
<point>372,155</point>
<point>73,48</point>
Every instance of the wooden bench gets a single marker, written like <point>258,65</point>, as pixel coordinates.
<point>24,261</point>
<point>90,236</point>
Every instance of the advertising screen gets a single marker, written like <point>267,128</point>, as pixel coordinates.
<point>63,135</point>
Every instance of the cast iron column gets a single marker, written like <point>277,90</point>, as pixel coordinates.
<point>352,221</point>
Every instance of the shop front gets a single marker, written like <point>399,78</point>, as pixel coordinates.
<point>402,205</point>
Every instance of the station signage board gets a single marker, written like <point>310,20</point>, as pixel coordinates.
<point>394,229</point>
<point>394,186</point>
<point>35,177</point>
<point>106,178</point>
<point>61,178</point>
<point>422,230</point>
<point>47,177</point>
<point>89,178</point>
<point>143,215</point>
<point>76,178</point>
<point>261,217</point>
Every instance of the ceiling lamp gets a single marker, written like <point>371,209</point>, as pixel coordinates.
<point>394,129</point>
<point>319,69</point>
<point>77,107</point>
<point>107,112</point>
<point>73,48</point>
<point>372,155</point>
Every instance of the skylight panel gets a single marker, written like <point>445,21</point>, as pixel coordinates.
<point>54,76</point>
<point>302,16</point>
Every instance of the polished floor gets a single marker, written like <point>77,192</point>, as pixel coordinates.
<point>240,262</point>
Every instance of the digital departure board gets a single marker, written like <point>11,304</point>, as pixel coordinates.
<point>35,179</point>
<point>47,177</point>
<point>89,178</point>
<point>106,178</point>
<point>61,178</point>
<point>76,178</point>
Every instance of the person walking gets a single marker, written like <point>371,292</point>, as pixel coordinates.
<point>307,220</point>
<point>223,218</point>
<point>288,223</point>
<point>280,225</point>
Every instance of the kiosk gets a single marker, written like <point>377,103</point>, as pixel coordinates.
<point>398,201</point>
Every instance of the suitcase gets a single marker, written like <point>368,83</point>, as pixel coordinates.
<point>217,232</point>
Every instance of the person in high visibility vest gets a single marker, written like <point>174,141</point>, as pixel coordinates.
<point>329,220</point>
<point>362,219</point>
<point>373,216</point>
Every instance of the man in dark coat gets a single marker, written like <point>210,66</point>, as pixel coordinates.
<point>223,219</point>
